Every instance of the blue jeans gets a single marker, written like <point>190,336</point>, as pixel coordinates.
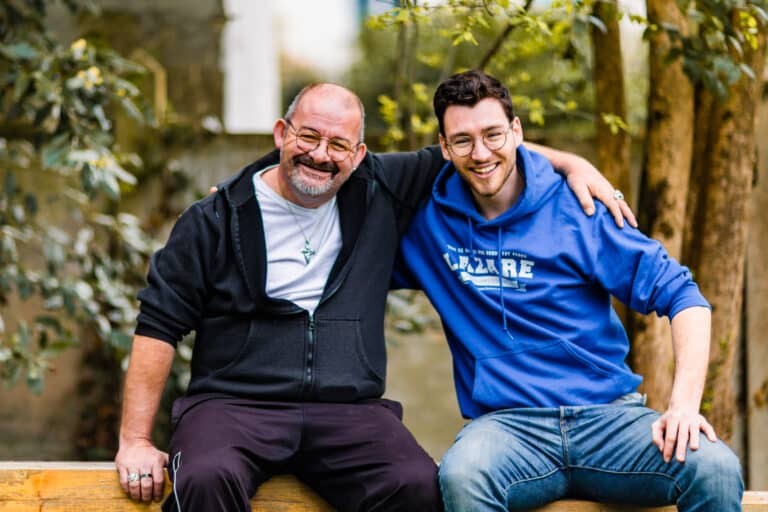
<point>519,459</point>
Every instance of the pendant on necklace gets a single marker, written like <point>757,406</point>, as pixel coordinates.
<point>307,251</point>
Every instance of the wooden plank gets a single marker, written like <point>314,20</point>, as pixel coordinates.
<point>753,501</point>
<point>93,487</point>
<point>74,486</point>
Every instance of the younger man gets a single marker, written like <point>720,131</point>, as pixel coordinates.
<point>523,283</point>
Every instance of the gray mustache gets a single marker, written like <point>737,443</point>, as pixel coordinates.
<point>325,167</point>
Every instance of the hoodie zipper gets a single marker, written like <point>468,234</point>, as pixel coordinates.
<point>309,375</point>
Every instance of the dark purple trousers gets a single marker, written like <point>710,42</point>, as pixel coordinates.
<point>359,457</point>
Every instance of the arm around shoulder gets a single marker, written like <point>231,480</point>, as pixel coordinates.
<point>586,182</point>
<point>410,175</point>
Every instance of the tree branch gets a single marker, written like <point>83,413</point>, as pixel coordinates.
<point>496,46</point>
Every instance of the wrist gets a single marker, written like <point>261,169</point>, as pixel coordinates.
<point>689,405</point>
<point>134,440</point>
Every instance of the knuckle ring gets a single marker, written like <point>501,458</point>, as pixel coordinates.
<point>146,475</point>
<point>133,477</point>
<point>618,195</point>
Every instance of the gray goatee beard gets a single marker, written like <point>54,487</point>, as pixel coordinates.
<point>305,188</point>
<point>302,185</point>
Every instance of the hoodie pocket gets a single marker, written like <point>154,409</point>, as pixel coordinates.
<point>265,359</point>
<point>540,375</point>
<point>219,342</point>
<point>347,366</point>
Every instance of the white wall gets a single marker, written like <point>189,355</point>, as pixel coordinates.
<point>250,58</point>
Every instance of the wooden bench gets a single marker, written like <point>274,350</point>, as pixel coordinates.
<point>93,487</point>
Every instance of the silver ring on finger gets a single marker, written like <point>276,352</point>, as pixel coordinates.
<point>133,477</point>
<point>617,195</point>
<point>145,475</point>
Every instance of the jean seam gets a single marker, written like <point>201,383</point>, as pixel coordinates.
<point>517,482</point>
<point>632,473</point>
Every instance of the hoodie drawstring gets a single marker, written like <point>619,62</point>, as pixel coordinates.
<point>470,228</point>
<point>501,285</point>
<point>471,237</point>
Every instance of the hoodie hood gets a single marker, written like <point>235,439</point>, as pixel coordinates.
<point>452,194</point>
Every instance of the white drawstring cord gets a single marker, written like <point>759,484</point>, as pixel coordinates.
<point>175,465</point>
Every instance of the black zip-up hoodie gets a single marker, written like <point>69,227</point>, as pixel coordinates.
<point>211,277</point>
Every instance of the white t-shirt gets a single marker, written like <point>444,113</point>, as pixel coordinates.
<point>289,276</point>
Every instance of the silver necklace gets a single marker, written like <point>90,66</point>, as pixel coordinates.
<point>307,251</point>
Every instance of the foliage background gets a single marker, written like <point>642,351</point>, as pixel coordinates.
<point>95,161</point>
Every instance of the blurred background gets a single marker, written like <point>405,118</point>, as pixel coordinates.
<point>115,116</point>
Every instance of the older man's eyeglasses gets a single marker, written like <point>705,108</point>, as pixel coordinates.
<point>494,139</point>
<point>308,140</point>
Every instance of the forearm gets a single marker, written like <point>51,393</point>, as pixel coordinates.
<point>150,364</point>
<point>690,341</point>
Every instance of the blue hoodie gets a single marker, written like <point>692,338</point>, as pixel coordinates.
<point>542,332</point>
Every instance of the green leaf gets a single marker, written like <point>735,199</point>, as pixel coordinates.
<point>760,13</point>
<point>120,340</point>
<point>54,153</point>
<point>103,325</point>
<point>132,110</point>
<point>110,185</point>
<point>30,203</point>
<point>744,67</point>
<point>121,174</point>
<point>51,122</point>
<point>35,380</point>
<point>734,43</point>
<point>49,321</point>
<point>83,291</point>
<point>10,184</point>
<point>101,117</point>
<point>60,346</point>
<point>597,22</point>
<point>19,51</point>
<point>23,335</point>
<point>82,156</point>
<point>20,86</point>
<point>129,88</point>
<point>25,287</point>
<point>13,373</point>
<point>69,301</point>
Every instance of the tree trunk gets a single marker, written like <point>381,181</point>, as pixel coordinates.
<point>668,151</point>
<point>703,141</point>
<point>612,148</point>
<point>756,350</point>
<point>720,270</point>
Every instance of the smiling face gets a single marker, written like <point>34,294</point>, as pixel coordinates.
<point>309,177</point>
<point>490,173</point>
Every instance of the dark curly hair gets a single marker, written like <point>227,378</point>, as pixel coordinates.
<point>467,89</point>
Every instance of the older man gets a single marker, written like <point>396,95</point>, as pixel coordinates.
<point>283,273</point>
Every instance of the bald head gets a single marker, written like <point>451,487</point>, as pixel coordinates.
<point>340,96</point>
